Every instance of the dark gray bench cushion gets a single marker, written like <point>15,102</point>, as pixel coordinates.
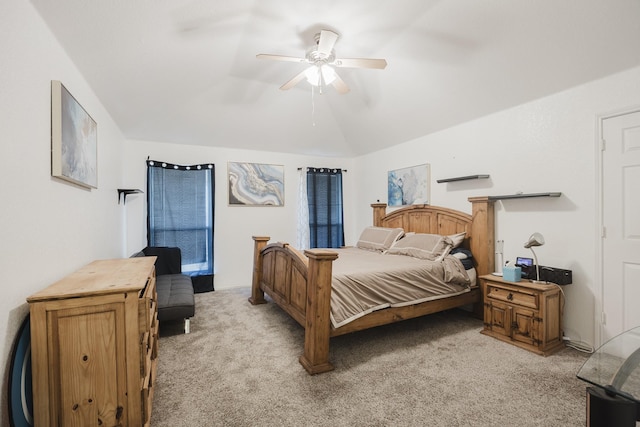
<point>175,297</point>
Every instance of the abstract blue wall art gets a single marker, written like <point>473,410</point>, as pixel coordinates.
<point>408,186</point>
<point>74,139</point>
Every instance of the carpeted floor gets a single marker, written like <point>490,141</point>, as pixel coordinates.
<point>239,367</point>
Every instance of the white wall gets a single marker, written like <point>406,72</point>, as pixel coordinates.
<point>545,145</point>
<point>234,225</point>
<point>48,228</point>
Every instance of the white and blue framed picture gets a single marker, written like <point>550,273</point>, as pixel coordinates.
<point>408,186</point>
<point>74,139</point>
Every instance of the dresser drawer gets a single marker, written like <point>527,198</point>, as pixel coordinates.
<point>145,354</point>
<point>513,296</point>
<point>147,306</point>
<point>153,339</point>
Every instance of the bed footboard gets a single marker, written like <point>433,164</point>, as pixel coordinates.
<point>301,286</point>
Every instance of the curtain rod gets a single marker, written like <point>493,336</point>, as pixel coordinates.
<point>343,170</point>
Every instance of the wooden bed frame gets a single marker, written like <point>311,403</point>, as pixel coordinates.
<point>301,283</point>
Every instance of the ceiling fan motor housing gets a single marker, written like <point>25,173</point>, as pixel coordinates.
<point>320,58</point>
<point>314,56</point>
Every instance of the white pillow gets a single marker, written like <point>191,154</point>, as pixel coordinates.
<point>378,238</point>
<point>457,239</point>
<point>424,246</point>
<point>460,255</point>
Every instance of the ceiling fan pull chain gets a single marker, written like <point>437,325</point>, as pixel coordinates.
<point>313,108</point>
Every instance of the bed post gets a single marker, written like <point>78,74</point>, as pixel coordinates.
<point>315,358</point>
<point>483,234</point>
<point>257,294</point>
<point>379,211</point>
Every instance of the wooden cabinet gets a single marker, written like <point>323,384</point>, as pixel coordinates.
<point>523,313</point>
<point>94,346</point>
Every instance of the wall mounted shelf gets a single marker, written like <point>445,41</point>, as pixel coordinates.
<point>462,178</point>
<point>525,196</point>
<point>124,192</point>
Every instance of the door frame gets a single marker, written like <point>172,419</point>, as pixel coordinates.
<point>598,290</point>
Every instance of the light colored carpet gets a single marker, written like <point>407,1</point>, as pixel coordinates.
<point>239,367</point>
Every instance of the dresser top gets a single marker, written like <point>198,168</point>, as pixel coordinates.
<point>525,283</point>
<point>99,278</point>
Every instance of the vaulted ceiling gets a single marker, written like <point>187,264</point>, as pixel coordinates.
<point>185,71</point>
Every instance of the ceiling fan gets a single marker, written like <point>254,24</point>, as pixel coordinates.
<point>322,58</point>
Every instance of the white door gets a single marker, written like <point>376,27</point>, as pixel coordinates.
<point>621,221</point>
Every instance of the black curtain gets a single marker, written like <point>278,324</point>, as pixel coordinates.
<point>324,193</point>
<point>180,213</point>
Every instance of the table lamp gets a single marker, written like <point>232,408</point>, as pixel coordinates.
<point>535,239</point>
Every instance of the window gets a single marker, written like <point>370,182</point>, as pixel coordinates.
<point>324,193</point>
<point>180,214</point>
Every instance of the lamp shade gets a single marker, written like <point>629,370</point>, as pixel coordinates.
<point>535,239</point>
<point>314,72</point>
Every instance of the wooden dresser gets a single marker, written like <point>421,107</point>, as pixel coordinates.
<point>94,346</point>
<point>526,314</point>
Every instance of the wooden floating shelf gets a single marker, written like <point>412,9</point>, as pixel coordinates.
<point>462,178</point>
<point>124,192</point>
<point>525,196</point>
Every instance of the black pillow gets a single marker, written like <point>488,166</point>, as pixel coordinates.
<point>467,261</point>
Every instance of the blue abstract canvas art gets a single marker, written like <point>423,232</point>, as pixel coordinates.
<point>74,139</point>
<point>408,186</point>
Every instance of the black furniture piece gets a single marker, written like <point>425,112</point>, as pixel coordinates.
<point>614,399</point>
<point>175,290</point>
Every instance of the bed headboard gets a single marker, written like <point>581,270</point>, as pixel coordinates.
<point>479,226</point>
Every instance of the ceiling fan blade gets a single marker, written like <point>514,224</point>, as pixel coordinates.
<point>294,81</point>
<point>340,85</point>
<point>379,64</point>
<point>327,41</point>
<point>280,57</point>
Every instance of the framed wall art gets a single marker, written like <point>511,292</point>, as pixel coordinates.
<point>255,184</point>
<point>408,186</point>
<point>74,139</point>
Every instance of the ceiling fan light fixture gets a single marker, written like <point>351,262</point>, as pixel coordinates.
<point>314,73</point>
<point>328,74</point>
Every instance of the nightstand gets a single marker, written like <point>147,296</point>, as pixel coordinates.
<point>525,314</point>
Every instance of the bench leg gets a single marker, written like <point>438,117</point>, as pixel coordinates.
<point>187,325</point>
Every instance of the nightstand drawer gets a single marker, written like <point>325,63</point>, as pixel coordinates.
<point>512,296</point>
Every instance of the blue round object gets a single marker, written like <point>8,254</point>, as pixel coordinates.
<point>20,391</point>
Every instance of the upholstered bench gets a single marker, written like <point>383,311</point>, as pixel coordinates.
<point>175,298</point>
<point>175,290</point>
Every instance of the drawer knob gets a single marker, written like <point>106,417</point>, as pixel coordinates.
<point>510,296</point>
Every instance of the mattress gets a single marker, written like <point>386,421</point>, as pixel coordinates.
<point>365,281</point>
